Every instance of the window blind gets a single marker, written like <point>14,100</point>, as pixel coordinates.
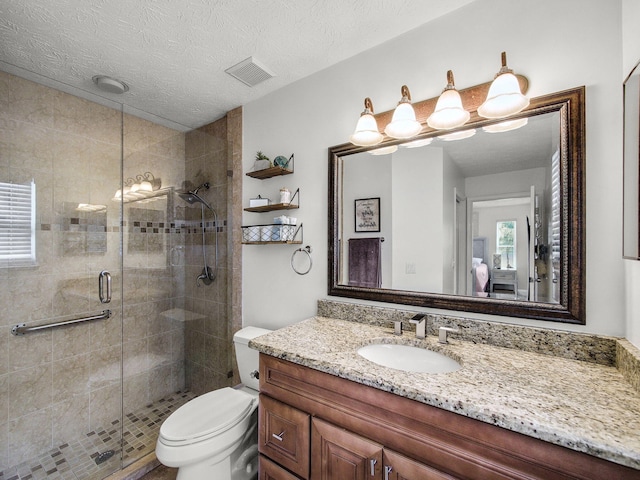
<point>17,224</point>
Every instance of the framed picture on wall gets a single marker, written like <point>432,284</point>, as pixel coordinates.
<point>367,215</point>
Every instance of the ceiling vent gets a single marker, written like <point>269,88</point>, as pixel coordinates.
<point>250,72</point>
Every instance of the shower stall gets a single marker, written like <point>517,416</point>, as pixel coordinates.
<point>104,331</point>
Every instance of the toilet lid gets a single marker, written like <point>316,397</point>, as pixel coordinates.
<point>208,415</point>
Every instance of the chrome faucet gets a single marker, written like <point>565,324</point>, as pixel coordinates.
<point>397,327</point>
<point>420,321</point>
<point>442,333</point>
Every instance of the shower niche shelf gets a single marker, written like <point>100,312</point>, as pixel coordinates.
<point>272,234</point>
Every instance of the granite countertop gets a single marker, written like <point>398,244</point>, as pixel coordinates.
<point>584,406</point>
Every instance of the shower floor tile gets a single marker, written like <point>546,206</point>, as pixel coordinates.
<point>76,460</point>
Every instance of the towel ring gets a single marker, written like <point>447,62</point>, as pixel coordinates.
<point>306,250</point>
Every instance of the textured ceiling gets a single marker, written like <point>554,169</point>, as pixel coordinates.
<point>173,53</point>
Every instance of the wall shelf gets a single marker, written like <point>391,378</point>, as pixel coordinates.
<point>271,208</point>
<point>282,234</point>
<point>269,172</point>
<point>277,206</point>
<point>271,234</point>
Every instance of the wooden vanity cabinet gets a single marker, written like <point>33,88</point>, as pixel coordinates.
<point>283,435</point>
<point>337,454</point>
<point>272,471</point>
<point>349,424</point>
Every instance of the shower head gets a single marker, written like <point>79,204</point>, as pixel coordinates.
<point>191,196</point>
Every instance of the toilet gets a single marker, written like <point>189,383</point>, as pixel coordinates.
<point>216,434</point>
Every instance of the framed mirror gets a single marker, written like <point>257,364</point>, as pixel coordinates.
<point>631,175</point>
<point>492,222</point>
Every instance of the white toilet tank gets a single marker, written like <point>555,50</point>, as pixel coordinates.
<point>246,357</point>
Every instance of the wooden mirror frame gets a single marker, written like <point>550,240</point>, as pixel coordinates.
<point>571,309</point>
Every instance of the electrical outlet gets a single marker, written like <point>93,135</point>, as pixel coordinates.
<point>410,268</point>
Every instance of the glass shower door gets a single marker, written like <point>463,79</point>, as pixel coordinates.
<point>60,386</point>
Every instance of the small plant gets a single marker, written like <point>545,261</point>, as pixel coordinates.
<point>262,156</point>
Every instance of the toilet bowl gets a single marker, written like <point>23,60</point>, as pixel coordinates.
<point>216,434</point>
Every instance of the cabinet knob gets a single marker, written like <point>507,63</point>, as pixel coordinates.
<point>278,437</point>
<point>373,462</point>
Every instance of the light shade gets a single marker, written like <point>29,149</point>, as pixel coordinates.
<point>366,133</point>
<point>417,143</point>
<point>449,112</point>
<point>506,125</point>
<point>462,134</point>
<point>384,150</point>
<point>504,97</point>
<point>403,123</point>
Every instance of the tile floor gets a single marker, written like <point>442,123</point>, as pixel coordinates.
<point>161,473</point>
<point>90,457</point>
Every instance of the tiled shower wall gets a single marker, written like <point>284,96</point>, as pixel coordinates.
<point>62,383</point>
<point>213,155</point>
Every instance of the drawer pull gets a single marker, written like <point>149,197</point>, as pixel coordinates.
<point>278,437</point>
<point>373,462</point>
<point>387,471</point>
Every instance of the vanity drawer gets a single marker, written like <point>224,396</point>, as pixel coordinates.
<point>284,435</point>
<point>272,471</point>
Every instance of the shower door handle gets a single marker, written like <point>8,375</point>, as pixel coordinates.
<point>104,275</point>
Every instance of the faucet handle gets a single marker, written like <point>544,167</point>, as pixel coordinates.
<point>442,333</point>
<point>420,322</point>
<point>397,327</point>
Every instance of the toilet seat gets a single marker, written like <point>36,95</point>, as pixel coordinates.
<point>207,416</point>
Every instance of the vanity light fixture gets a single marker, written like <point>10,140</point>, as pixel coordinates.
<point>88,207</point>
<point>366,133</point>
<point>403,123</point>
<point>462,134</point>
<point>448,113</point>
<point>506,126</point>
<point>144,186</point>
<point>384,150</point>
<point>417,143</point>
<point>504,97</point>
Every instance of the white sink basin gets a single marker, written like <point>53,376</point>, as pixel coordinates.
<point>408,358</point>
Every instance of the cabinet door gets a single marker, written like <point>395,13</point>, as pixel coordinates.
<point>337,454</point>
<point>272,471</point>
<point>284,435</point>
<point>399,467</point>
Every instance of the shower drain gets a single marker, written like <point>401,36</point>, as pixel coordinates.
<point>104,456</point>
